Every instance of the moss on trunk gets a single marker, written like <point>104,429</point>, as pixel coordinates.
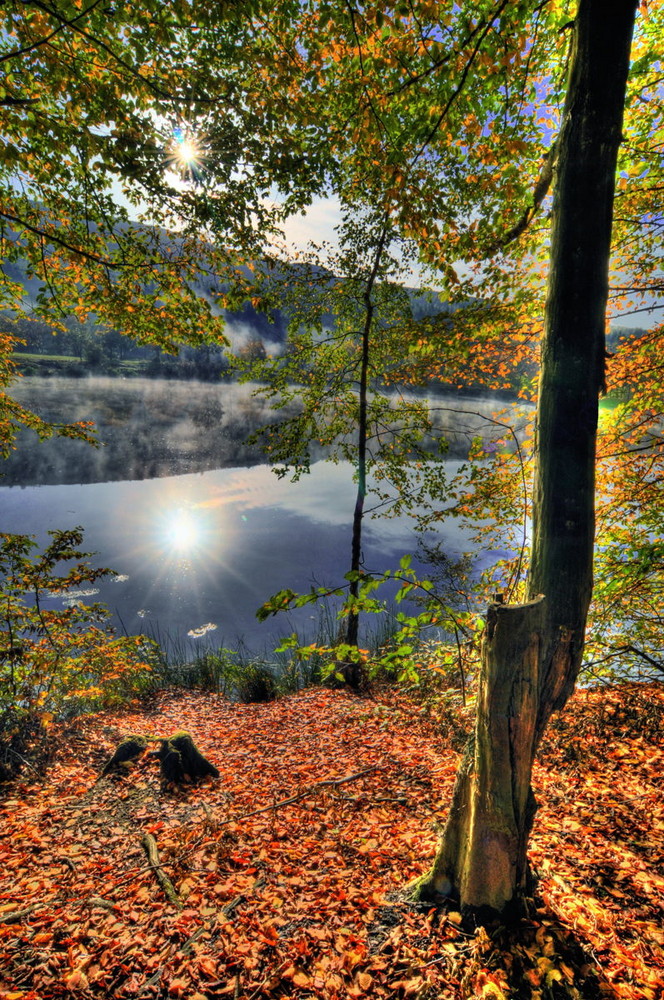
<point>127,752</point>
<point>180,759</point>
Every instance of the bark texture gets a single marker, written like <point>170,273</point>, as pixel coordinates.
<point>178,755</point>
<point>482,861</point>
<point>532,652</point>
<point>573,352</point>
<point>126,754</point>
<point>353,671</point>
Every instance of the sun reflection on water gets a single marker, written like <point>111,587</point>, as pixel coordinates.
<point>183,531</point>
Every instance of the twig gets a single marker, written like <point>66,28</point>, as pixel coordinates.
<point>191,941</point>
<point>104,904</point>
<point>152,981</point>
<point>328,783</point>
<point>150,846</point>
<point>228,909</point>
<point>16,915</point>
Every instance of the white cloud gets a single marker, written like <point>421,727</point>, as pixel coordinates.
<point>317,224</point>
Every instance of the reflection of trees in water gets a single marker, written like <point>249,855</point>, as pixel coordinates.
<point>147,428</point>
<point>150,428</point>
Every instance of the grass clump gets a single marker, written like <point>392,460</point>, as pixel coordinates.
<point>256,683</point>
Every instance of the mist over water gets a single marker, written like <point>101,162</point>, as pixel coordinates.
<point>149,428</point>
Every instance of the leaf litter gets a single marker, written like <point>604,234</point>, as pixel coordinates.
<point>290,869</point>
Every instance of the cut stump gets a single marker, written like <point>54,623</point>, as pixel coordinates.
<point>128,750</point>
<point>180,759</point>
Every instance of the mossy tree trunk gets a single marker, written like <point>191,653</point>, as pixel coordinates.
<point>532,652</point>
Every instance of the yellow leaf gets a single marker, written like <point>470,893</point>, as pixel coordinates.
<point>492,990</point>
<point>77,981</point>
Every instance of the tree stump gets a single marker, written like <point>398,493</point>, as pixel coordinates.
<point>126,754</point>
<point>482,865</point>
<point>180,759</point>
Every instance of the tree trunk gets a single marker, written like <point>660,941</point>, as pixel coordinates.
<point>353,670</point>
<point>532,653</point>
<point>482,857</point>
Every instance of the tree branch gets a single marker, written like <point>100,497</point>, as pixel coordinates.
<point>540,192</point>
<point>15,53</point>
<point>150,847</point>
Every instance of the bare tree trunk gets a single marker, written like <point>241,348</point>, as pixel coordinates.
<point>532,652</point>
<point>353,670</point>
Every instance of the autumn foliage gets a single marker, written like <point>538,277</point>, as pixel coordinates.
<point>290,868</point>
<point>58,655</point>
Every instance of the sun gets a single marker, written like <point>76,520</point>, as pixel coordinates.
<point>187,152</point>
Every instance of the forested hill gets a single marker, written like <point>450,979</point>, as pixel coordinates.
<point>85,346</point>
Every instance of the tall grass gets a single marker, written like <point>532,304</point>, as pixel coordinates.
<point>243,675</point>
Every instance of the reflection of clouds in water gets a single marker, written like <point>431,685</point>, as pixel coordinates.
<point>326,496</point>
<point>256,535</point>
<point>198,633</point>
<point>70,594</point>
<point>73,598</point>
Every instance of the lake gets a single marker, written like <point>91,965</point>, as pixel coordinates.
<point>198,552</point>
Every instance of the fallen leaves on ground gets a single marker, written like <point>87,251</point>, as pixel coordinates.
<point>303,898</point>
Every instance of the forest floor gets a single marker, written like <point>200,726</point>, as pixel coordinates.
<point>291,877</point>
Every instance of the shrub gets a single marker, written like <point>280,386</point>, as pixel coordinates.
<point>56,661</point>
<point>255,682</point>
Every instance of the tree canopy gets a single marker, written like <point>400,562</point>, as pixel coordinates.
<point>142,147</point>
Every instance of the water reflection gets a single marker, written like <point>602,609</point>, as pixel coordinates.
<point>198,550</point>
<point>155,428</point>
<point>184,532</point>
<point>205,551</point>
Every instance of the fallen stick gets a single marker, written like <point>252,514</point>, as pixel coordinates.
<point>150,848</point>
<point>188,946</point>
<point>104,904</point>
<point>16,915</point>
<point>228,910</point>
<point>328,782</point>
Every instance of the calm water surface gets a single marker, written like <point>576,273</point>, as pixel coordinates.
<point>200,553</point>
<point>195,554</point>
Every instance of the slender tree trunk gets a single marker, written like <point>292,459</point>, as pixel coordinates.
<point>358,514</point>
<point>532,652</point>
<point>353,670</point>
